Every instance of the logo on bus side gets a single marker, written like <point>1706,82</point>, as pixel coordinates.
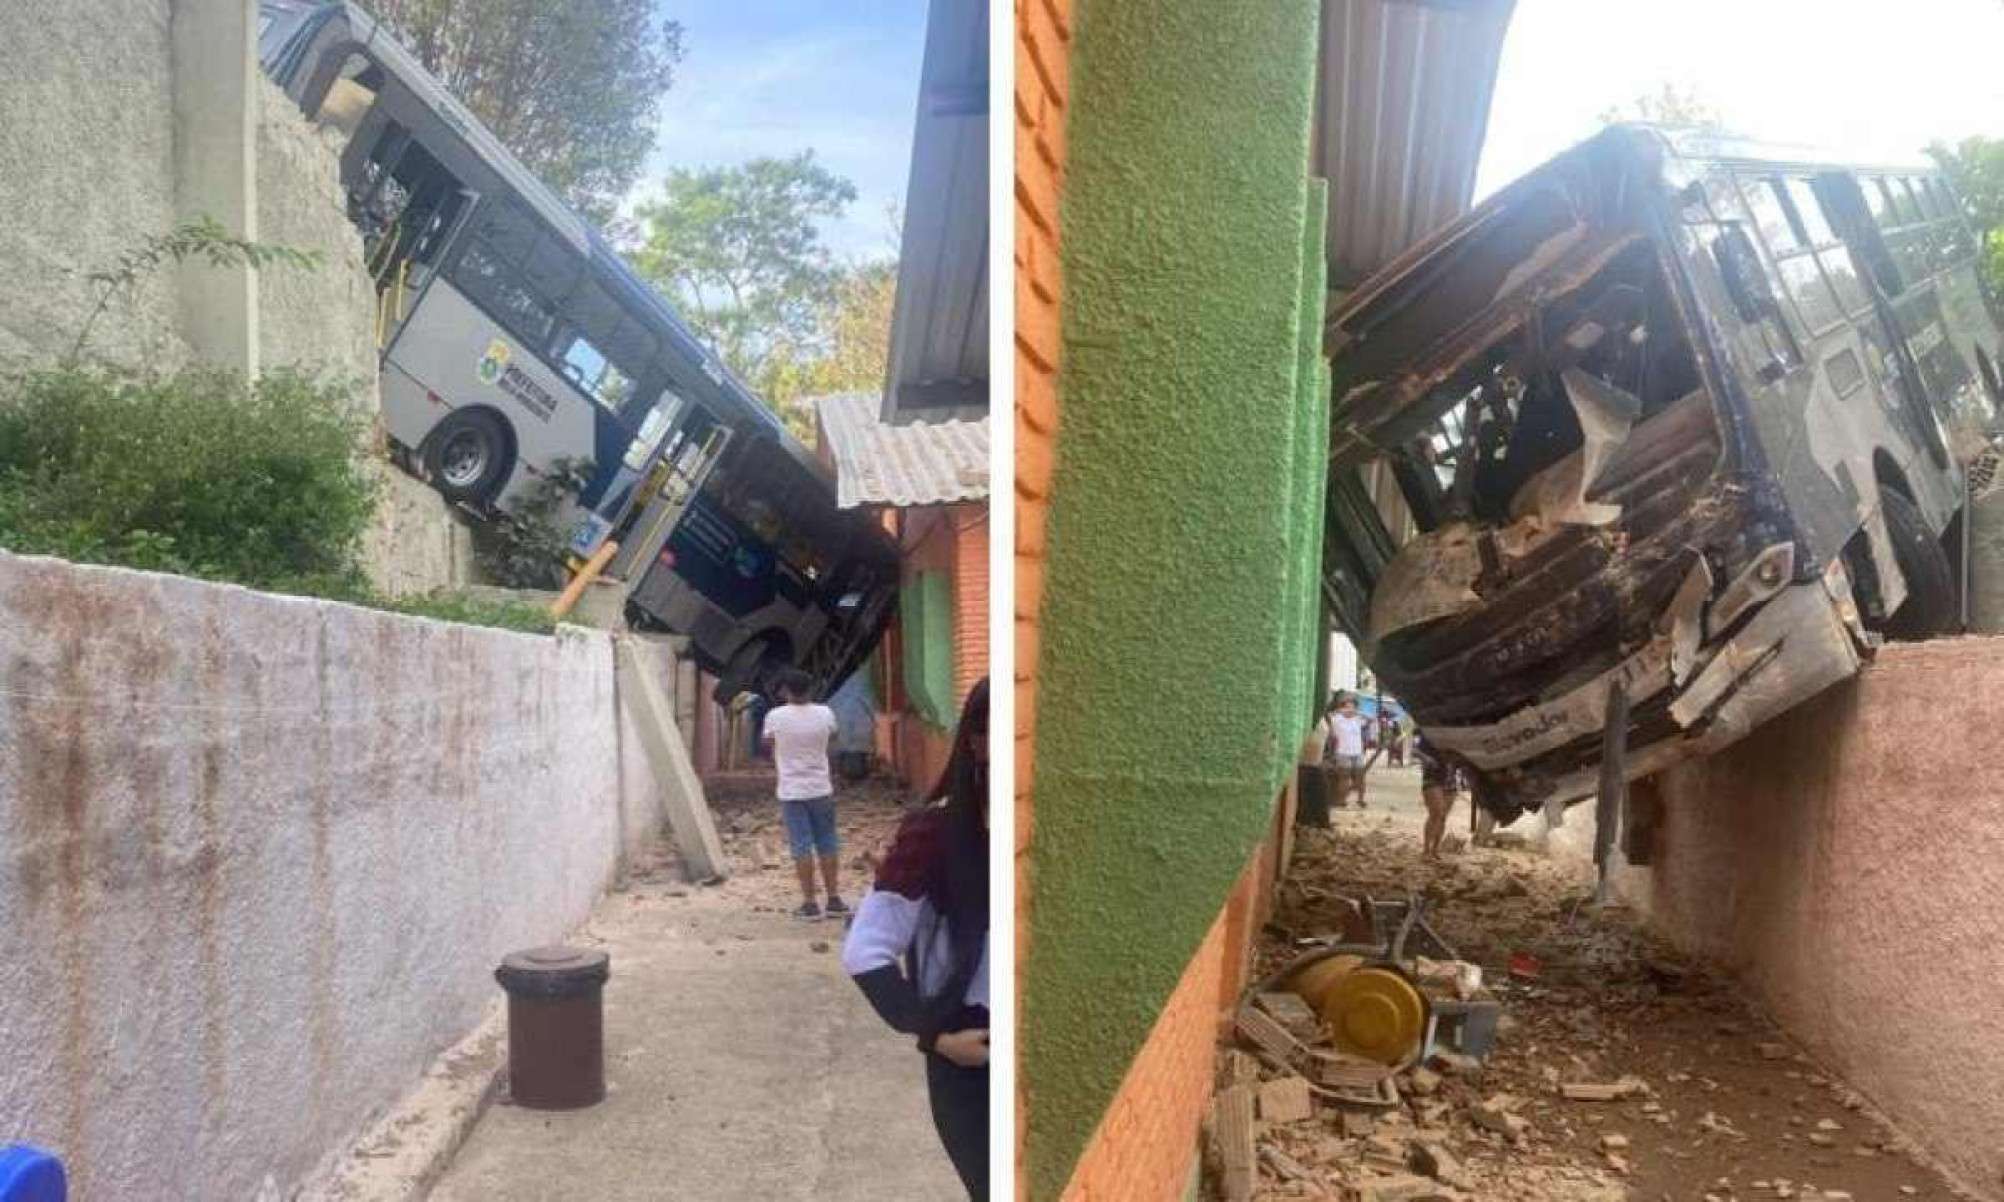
<point>494,362</point>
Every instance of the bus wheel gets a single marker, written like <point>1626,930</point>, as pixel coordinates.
<point>1930,605</point>
<point>749,669</point>
<point>467,456</point>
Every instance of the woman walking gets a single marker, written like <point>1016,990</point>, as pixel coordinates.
<point>919,945</point>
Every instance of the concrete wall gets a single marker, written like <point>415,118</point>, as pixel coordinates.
<point>259,856</point>
<point>87,160</point>
<point>1181,500</point>
<point>88,156</point>
<point>1847,863</point>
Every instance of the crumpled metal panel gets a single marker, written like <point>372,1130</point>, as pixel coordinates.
<point>934,463</point>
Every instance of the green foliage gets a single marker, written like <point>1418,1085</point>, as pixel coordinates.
<point>458,607</point>
<point>197,473</point>
<point>856,328</point>
<point>740,248</point>
<point>1975,169</point>
<point>526,547</point>
<point>574,89</point>
<point>1667,105</point>
<point>203,238</point>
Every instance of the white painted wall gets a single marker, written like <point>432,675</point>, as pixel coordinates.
<point>259,856</point>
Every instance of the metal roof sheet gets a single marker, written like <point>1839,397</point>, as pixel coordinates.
<point>1401,111</point>
<point>876,463</point>
<point>939,325</point>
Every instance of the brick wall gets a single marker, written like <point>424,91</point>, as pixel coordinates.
<point>970,597</point>
<point>1043,57</point>
<point>1147,1144</point>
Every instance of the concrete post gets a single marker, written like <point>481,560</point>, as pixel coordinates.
<point>215,165</point>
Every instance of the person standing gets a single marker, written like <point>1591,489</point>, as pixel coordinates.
<point>1346,745</point>
<point>1438,785</point>
<point>929,911</point>
<point>797,731</point>
<point>1311,780</point>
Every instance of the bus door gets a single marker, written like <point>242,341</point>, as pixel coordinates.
<point>686,462</point>
<point>408,206</point>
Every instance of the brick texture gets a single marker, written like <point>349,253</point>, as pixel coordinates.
<point>1147,1144</point>
<point>1043,67</point>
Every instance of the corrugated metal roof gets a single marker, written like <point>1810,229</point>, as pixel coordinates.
<point>876,463</point>
<point>939,327</point>
<point>1402,108</point>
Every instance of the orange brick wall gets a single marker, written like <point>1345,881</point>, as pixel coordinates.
<point>1043,61</point>
<point>970,596</point>
<point>1147,1143</point>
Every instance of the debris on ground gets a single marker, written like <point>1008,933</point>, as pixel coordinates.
<point>1617,1069</point>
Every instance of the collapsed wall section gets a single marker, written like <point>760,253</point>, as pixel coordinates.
<point>1846,862</point>
<point>259,856</point>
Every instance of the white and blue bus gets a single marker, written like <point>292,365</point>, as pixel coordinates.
<point>515,342</point>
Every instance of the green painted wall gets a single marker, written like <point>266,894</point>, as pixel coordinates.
<point>926,611</point>
<point>1179,596</point>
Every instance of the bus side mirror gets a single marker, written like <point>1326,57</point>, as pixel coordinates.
<point>1739,267</point>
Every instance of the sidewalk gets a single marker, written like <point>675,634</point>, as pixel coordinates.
<point>741,1062</point>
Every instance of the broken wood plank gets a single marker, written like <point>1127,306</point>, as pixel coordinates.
<point>1237,1151</point>
<point>1294,1014</point>
<point>1264,1032</point>
<point>1286,1100</point>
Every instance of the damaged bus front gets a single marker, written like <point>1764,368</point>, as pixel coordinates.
<point>1677,426</point>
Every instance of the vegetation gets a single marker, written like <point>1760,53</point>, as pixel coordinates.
<point>1667,105</point>
<point>197,473</point>
<point>202,474</point>
<point>525,548</point>
<point>740,249</point>
<point>204,238</point>
<point>574,89</point>
<point>1975,169</point>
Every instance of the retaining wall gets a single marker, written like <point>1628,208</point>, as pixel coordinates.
<point>88,165</point>
<point>259,856</point>
<point>1847,863</point>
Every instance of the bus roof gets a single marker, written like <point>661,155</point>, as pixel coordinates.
<point>1721,147</point>
<point>609,267</point>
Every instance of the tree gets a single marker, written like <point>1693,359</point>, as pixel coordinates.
<point>1668,105</point>
<point>741,249</point>
<point>856,329</point>
<point>1975,169</point>
<point>573,88</point>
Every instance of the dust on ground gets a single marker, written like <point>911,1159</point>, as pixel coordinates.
<point>1729,1108</point>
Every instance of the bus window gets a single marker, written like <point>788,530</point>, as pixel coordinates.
<point>1810,211</point>
<point>494,285</point>
<point>653,428</point>
<point>351,96</point>
<point>1811,293</point>
<point>1769,217</point>
<point>1903,202</point>
<point>1875,200</point>
<point>1843,274</point>
<point>597,376</point>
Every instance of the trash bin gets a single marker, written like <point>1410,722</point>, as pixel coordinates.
<point>556,1026</point>
<point>31,1175</point>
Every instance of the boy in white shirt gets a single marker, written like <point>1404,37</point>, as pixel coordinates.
<point>797,732</point>
<point>1346,745</point>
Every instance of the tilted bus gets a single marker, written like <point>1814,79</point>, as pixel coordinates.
<point>514,341</point>
<point>1680,422</point>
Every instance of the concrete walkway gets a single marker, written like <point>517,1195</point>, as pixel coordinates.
<point>742,1063</point>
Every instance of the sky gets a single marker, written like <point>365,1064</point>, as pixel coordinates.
<point>774,77</point>
<point>1875,80</point>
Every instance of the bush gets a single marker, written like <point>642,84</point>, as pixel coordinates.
<point>201,474</point>
<point>195,472</point>
<point>526,547</point>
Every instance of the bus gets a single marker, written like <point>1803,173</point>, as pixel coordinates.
<point>517,348</point>
<point>1678,423</point>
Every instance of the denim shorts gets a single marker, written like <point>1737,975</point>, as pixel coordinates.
<point>810,826</point>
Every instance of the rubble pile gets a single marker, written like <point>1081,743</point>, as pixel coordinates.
<point>1619,1070</point>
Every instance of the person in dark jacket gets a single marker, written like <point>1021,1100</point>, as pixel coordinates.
<point>919,945</point>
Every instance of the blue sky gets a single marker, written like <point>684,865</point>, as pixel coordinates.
<point>772,77</point>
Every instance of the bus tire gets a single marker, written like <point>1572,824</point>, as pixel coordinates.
<point>750,669</point>
<point>468,457</point>
<point>1929,608</point>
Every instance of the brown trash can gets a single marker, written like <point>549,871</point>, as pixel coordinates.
<point>556,1026</point>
